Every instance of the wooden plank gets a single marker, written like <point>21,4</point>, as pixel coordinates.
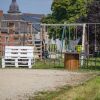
<point>21,56</point>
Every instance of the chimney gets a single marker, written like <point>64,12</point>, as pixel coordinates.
<point>1,13</point>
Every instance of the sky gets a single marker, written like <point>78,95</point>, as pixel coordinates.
<point>29,6</point>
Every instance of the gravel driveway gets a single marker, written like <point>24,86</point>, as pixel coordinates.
<point>18,84</point>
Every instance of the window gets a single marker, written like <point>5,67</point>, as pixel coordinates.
<point>6,39</point>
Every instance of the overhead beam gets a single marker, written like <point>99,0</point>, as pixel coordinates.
<point>71,24</point>
<point>74,24</point>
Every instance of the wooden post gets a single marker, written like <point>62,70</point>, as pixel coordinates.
<point>16,62</point>
<point>0,40</point>
<point>29,64</point>
<point>32,34</point>
<point>1,14</point>
<point>31,29</point>
<point>3,63</point>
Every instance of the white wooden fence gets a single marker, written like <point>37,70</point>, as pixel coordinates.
<point>18,56</point>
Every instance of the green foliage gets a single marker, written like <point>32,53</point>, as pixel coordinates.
<point>94,17</point>
<point>55,32</point>
<point>94,12</point>
<point>48,19</point>
<point>67,11</point>
<point>53,48</point>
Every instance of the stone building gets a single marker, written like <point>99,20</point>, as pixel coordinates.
<point>17,28</point>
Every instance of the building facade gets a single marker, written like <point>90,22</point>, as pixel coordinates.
<point>17,29</point>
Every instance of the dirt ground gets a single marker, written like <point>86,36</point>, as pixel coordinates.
<point>19,84</point>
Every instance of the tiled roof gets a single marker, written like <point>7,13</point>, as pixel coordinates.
<point>12,17</point>
<point>33,18</point>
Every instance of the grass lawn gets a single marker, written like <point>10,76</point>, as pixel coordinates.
<point>49,64</point>
<point>91,64</point>
<point>87,91</point>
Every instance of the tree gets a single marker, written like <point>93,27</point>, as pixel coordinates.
<point>48,19</point>
<point>67,11</point>
<point>93,16</point>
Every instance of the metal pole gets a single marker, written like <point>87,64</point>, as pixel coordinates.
<point>72,24</point>
<point>95,39</point>
<point>41,32</point>
<point>69,39</point>
<point>83,44</point>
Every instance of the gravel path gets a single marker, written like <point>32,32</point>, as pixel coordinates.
<point>18,84</point>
